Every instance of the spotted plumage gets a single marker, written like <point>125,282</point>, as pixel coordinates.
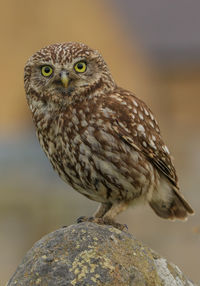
<point>100,138</point>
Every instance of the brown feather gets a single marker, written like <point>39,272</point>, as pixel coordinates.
<point>100,138</point>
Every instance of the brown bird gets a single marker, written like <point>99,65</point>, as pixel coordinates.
<point>99,137</point>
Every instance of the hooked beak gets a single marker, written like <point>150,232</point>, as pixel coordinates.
<point>64,78</point>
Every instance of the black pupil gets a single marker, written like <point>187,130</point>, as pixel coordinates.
<point>80,66</point>
<point>47,70</point>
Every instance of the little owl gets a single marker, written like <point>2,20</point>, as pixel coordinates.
<point>100,138</point>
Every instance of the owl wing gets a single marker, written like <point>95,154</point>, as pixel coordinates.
<point>159,159</point>
<point>135,124</point>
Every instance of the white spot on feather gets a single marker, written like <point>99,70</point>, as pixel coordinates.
<point>146,112</point>
<point>152,117</point>
<point>154,138</point>
<point>135,103</point>
<point>84,149</point>
<point>141,116</point>
<point>84,123</point>
<point>152,144</point>
<point>77,139</point>
<point>95,145</point>
<point>75,120</point>
<point>108,137</point>
<point>117,97</point>
<point>123,126</point>
<point>140,128</point>
<point>107,112</point>
<point>164,147</point>
<point>124,103</point>
<point>144,144</point>
<point>135,110</point>
<point>151,123</point>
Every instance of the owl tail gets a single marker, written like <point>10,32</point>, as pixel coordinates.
<point>167,202</point>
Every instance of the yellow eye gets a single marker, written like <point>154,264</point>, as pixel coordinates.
<point>80,67</point>
<point>46,70</point>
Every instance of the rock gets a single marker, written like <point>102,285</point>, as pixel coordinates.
<point>91,254</point>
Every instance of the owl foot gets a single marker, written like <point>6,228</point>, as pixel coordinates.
<point>103,221</point>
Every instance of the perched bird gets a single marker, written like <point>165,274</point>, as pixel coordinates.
<point>100,138</point>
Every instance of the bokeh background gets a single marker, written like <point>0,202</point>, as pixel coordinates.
<point>152,48</point>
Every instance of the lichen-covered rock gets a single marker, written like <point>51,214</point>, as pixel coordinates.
<point>91,254</point>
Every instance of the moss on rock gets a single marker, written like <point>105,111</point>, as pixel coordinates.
<point>91,254</point>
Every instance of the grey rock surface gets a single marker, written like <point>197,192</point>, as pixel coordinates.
<point>91,254</point>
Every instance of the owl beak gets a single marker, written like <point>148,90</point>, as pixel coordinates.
<point>64,78</point>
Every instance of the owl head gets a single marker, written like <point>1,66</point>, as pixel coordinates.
<point>65,70</point>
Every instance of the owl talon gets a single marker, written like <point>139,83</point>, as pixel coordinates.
<point>125,226</point>
<point>81,219</point>
<point>103,221</point>
<point>84,219</point>
<point>122,227</point>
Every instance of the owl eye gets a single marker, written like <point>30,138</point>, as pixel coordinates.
<point>80,67</point>
<point>46,71</point>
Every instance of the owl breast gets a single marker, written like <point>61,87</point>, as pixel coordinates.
<point>86,153</point>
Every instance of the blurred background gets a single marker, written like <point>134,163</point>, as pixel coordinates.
<point>152,48</point>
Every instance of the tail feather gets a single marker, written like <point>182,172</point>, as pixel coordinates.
<point>183,201</point>
<point>167,202</point>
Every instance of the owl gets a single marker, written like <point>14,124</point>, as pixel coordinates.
<point>100,138</point>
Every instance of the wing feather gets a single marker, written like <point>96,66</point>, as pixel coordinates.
<point>135,124</point>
